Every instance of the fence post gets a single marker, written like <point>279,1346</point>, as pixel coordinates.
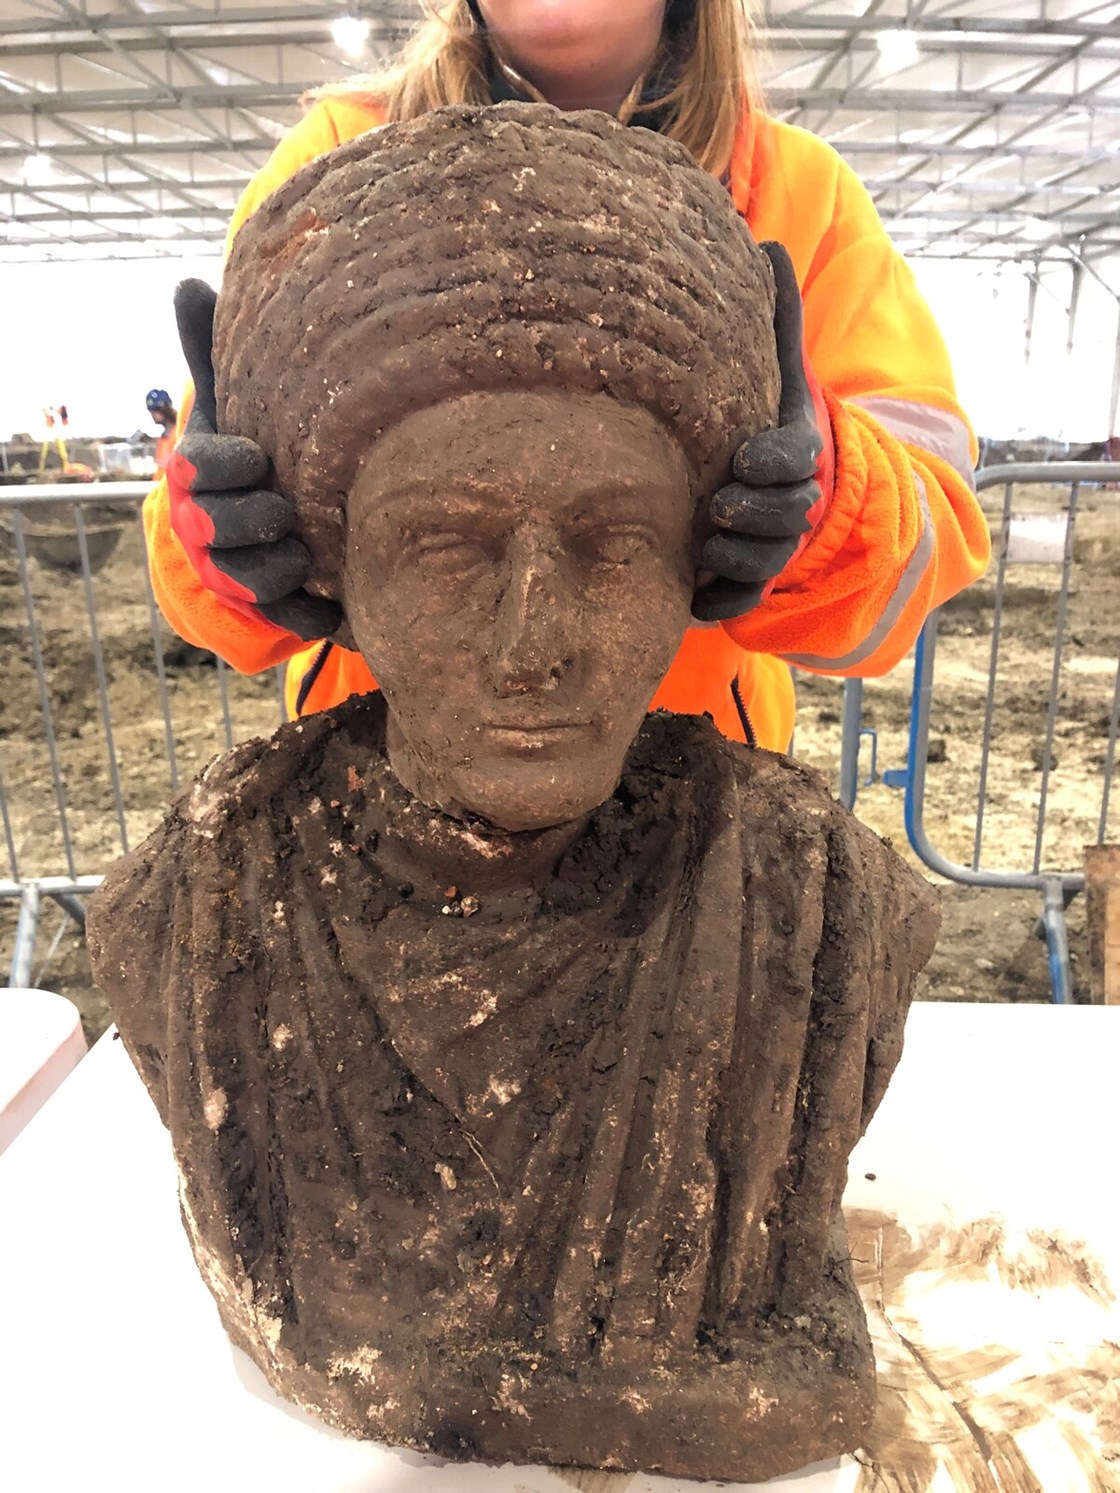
<point>1057,941</point>
<point>1056,887</point>
<point>23,955</point>
<point>849,741</point>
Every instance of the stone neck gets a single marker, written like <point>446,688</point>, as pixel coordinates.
<point>436,851</point>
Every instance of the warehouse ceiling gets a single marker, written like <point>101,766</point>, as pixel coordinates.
<point>985,129</point>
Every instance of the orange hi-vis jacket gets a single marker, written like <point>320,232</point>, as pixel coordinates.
<point>165,444</point>
<point>902,533</point>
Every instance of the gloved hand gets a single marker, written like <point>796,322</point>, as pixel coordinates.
<point>784,476</point>
<point>235,533</point>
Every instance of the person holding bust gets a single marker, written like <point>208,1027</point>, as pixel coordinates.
<point>833,537</point>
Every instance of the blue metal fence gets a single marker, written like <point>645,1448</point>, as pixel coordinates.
<point>53,865</point>
<point>78,556</point>
<point>1055,884</point>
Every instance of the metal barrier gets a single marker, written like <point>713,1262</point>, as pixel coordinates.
<point>1021,538</point>
<point>101,696</point>
<point>101,683</point>
<point>852,733</point>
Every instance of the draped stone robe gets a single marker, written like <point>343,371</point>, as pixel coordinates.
<point>555,1177</point>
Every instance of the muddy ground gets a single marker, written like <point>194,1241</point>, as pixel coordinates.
<point>988,949</point>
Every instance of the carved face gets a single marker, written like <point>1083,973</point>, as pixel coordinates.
<point>519,569</point>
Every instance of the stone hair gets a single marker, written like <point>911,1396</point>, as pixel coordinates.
<point>488,248</point>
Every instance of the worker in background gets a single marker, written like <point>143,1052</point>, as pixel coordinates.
<point>841,530</point>
<point>163,412</point>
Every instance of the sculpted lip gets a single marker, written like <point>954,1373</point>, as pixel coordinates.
<point>532,725</point>
<point>536,736</point>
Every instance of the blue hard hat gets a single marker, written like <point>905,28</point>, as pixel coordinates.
<point>157,399</point>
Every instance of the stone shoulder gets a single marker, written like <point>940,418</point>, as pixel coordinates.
<point>254,774</point>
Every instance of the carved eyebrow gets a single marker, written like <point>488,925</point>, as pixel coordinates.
<point>464,490</point>
<point>458,506</point>
<point>586,502</point>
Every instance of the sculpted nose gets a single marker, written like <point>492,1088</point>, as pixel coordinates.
<point>533,627</point>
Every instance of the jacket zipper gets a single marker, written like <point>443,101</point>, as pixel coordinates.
<point>307,683</point>
<point>744,718</point>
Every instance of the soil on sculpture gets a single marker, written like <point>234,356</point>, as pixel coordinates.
<point>517,247</point>
<point>513,1043</point>
<point>549,1174</point>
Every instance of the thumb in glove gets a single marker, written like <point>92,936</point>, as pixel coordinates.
<point>235,532</point>
<point>783,477</point>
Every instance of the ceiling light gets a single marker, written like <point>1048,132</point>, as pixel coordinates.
<point>350,33</point>
<point>36,170</point>
<point>897,48</point>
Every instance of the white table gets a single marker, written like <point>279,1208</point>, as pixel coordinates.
<point>41,1042</point>
<point>115,1373</point>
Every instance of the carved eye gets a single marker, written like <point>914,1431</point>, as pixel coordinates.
<point>618,545</point>
<point>450,554</point>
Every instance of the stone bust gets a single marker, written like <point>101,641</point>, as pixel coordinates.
<point>513,1042</point>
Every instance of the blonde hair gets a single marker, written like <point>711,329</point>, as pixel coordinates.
<point>709,79</point>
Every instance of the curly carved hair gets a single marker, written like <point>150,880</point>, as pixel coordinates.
<point>508,246</point>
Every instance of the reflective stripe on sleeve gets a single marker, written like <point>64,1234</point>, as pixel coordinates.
<point>937,431</point>
<point>907,583</point>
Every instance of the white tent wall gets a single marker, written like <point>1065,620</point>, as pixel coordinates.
<point>1069,377</point>
<point>95,337</point>
<point>1060,391</point>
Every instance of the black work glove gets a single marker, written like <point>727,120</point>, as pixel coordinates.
<point>235,533</point>
<point>781,475</point>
